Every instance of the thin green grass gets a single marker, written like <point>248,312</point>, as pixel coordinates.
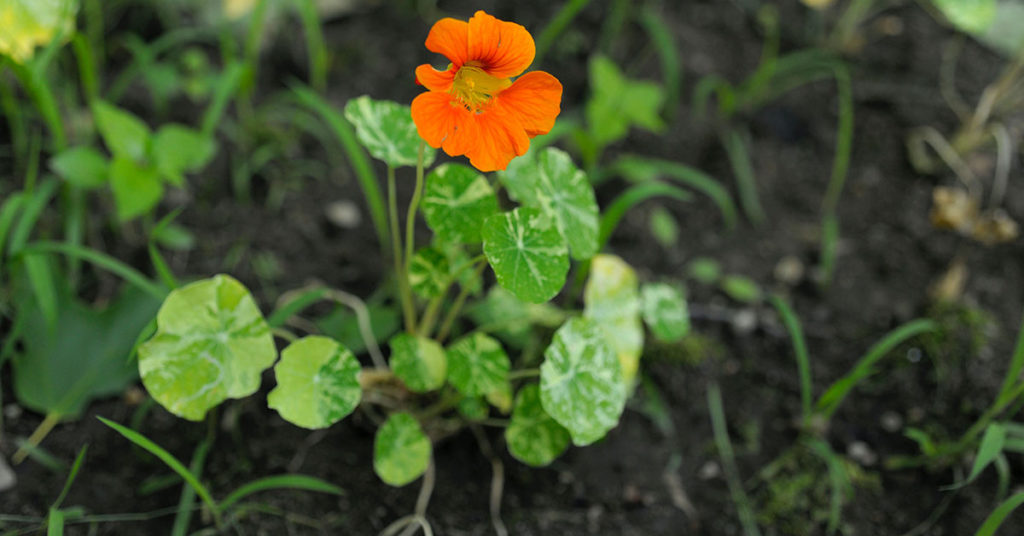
<point>556,27</point>
<point>633,196</point>
<point>803,361</point>
<point>744,507</point>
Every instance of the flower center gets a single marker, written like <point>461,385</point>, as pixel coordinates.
<point>473,87</point>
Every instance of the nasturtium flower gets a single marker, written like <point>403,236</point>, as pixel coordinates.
<point>473,107</point>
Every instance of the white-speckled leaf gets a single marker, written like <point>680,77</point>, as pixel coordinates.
<point>429,272</point>
<point>401,451</point>
<point>456,201</point>
<point>27,24</point>
<point>419,362</point>
<point>551,182</point>
<point>532,436</point>
<point>387,131</point>
<point>612,300</point>
<point>211,344</point>
<point>317,383</point>
<point>581,384</point>
<point>665,312</point>
<point>971,16</point>
<point>477,365</point>
<point>527,253</point>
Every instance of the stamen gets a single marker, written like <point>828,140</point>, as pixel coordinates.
<point>474,88</point>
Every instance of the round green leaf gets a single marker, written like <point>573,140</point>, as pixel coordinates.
<point>401,451</point>
<point>419,362</point>
<point>456,202</point>
<point>387,131</point>
<point>527,254</point>
<point>742,289</point>
<point>665,312</point>
<point>125,134</point>
<point>211,344</point>
<point>178,149</point>
<point>532,436</point>
<point>317,383</point>
<point>612,300</point>
<point>473,408</point>
<point>551,183</point>
<point>82,166</point>
<point>477,365</point>
<point>429,272</point>
<point>137,188</point>
<point>971,16</point>
<point>581,384</point>
<point>31,23</point>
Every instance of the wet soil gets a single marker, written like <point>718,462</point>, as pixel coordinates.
<point>640,480</point>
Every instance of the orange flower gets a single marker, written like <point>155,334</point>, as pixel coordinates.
<point>474,108</point>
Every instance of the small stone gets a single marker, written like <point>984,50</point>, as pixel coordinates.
<point>861,453</point>
<point>744,322</point>
<point>7,477</point>
<point>709,470</point>
<point>915,414</point>
<point>789,270</point>
<point>344,214</point>
<point>133,396</point>
<point>891,422</point>
<point>914,355</point>
<point>12,411</point>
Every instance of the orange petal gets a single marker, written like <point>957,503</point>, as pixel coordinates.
<point>435,80</point>
<point>450,37</point>
<point>443,124</point>
<point>534,99</point>
<point>500,139</point>
<point>503,49</point>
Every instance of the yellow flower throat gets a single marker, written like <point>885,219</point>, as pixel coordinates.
<point>474,88</point>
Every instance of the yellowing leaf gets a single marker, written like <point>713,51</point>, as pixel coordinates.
<point>27,24</point>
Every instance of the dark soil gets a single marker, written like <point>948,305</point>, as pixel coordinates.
<point>889,256</point>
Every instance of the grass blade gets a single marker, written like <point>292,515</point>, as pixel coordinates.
<point>671,64</point>
<point>840,170</point>
<point>55,523</point>
<point>71,477</point>
<point>294,305</point>
<point>558,24</point>
<point>732,474</point>
<point>996,518</point>
<point>634,195</point>
<point>101,260</point>
<point>356,156</point>
<point>40,278</point>
<point>829,402</point>
<point>689,176</point>
<point>315,46</point>
<point>33,209</point>
<point>186,503</point>
<point>1012,373</point>
<point>840,481</point>
<point>803,361</point>
<point>227,85</point>
<point>167,458</point>
<point>302,482</point>
<point>735,144</point>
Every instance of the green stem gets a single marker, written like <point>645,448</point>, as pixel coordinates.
<point>523,373</point>
<point>404,292</point>
<point>429,319</point>
<point>410,225</point>
<point>453,313</point>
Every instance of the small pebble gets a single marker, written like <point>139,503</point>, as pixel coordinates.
<point>861,453</point>
<point>344,214</point>
<point>744,321</point>
<point>914,355</point>
<point>891,421</point>
<point>7,477</point>
<point>12,411</point>
<point>789,271</point>
<point>709,470</point>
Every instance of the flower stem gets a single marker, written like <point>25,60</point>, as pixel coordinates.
<point>453,313</point>
<point>404,293</point>
<point>410,234</point>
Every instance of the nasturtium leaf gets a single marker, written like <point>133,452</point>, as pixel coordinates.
<point>581,383</point>
<point>387,131</point>
<point>551,182</point>
<point>611,299</point>
<point>211,344</point>
<point>527,253</point>
<point>456,201</point>
<point>83,355</point>
<point>504,315</point>
<point>81,166</point>
<point>473,408</point>
<point>619,103</point>
<point>419,362</point>
<point>532,436</point>
<point>342,325</point>
<point>664,311</point>
<point>429,272</point>
<point>501,398</point>
<point>124,133</point>
<point>970,16</point>
<point>137,188</point>
<point>401,451</point>
<point>477,365</point>
<point>1006,34</point>
<point>317,383</point>
<point>461,267</point>
<point>28,24</point>
<point>178,149</point>
<point>741,289</point>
